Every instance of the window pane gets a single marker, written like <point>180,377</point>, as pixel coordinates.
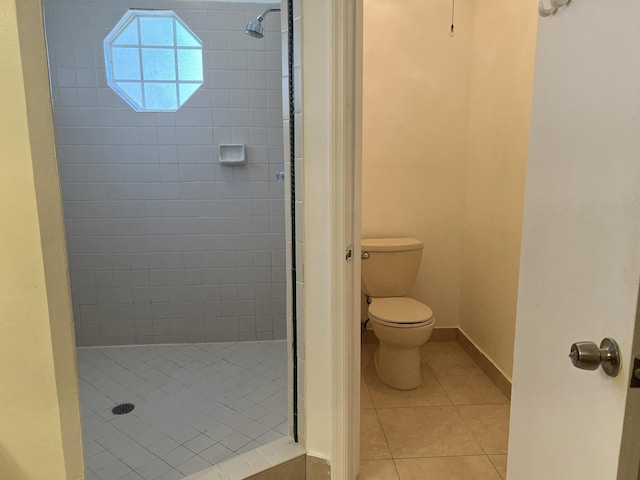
<point>126,63</point>
<point>186,90</point>
<point>158,64</point>
<point>144,65</point>
<point>190,65</point>
<point>129,36</point>
<point>134,90</point>
<point>160,96</point>
<point>156,30</point>
<point>184,38</point>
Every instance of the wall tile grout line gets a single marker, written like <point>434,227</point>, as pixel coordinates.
<point>139,189</point>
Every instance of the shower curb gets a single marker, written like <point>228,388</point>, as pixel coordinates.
<point>281,453</point>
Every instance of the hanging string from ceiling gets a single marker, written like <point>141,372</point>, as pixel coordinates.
<point>452,32</point>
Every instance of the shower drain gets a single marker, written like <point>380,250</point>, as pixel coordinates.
<point>123,409</point>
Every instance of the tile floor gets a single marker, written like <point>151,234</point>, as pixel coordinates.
<point>453,427</point>
<point>196,405</point>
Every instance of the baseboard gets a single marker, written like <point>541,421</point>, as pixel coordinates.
<point>294,469</point>
<point>454,334</point>
<point>318,468</point>
<point>444,334</point>
<point>304,467</point>
<point>485,364</point>
<point>369,336</point>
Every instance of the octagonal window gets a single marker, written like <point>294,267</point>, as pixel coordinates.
<point>153,60</point>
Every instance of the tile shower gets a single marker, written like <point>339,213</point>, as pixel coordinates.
<point>167,246</point>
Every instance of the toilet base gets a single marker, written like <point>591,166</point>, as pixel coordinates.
<point>398,367</point>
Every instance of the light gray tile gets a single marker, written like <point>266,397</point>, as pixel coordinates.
<point>214,454</point>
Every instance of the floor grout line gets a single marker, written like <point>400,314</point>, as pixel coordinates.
<point>440,456</point>
<point>200,382</point>
<point>455,409</point>
<point>494,466</point>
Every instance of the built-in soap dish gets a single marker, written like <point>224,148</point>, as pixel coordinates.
<point>232,155</point>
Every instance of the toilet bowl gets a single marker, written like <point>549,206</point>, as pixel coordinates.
<point>402,325</point>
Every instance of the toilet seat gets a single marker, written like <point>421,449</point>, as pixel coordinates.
<point>400,312</point>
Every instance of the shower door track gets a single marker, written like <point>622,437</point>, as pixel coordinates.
<point>292,188</point>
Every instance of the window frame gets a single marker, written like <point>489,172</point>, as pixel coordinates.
<point>134,15</point>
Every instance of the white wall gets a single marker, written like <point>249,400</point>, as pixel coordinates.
<point>415,116</point>
<point>502,63</point>
<point>445,127</point>
<point>581,238</point>
<point>166,245</point>
<point>40,415</point>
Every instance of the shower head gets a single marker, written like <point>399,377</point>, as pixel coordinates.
<point>255,28</point>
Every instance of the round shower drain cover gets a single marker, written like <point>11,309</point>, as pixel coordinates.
<point>123,408</point>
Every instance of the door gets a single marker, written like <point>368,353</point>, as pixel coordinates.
<point>580,261</point>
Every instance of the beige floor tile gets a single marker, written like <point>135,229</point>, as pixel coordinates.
<point>489,424</point>
<point>365,396</point>
<point>447,468</point>
<point>443,356</point>
<point>427,432</point>
<point>378,470</point>
<point>469,386</point>
<point>373,444</point>
<point>500,462</point>
<point>427,394</point>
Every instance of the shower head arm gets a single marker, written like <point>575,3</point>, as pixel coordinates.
<point>260,17</point>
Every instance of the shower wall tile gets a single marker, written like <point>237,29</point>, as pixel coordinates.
<point>166,245</point>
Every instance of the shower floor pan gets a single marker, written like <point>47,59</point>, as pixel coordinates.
<point>195,405</point>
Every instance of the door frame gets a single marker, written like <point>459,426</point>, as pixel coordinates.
<point>346,167</point>
<point>31,13</point>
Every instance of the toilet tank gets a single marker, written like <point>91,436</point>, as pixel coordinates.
<point>392,266</point>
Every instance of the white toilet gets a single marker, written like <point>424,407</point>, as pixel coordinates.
<point>402,324</point>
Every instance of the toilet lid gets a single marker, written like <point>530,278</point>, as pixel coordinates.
<point>400,310</point>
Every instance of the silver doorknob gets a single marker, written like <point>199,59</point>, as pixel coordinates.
<point>588,356</point>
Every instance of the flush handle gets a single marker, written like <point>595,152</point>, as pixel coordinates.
<point>588,356</point>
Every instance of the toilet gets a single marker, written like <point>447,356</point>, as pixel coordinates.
<point>402,324</point>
